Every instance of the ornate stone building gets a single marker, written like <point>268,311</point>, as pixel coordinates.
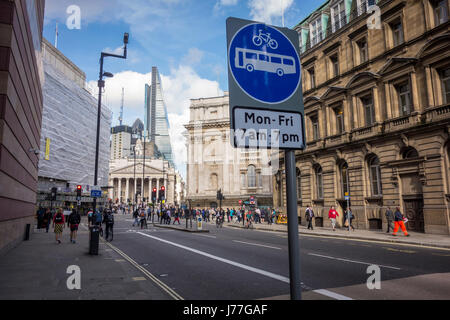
<point>214,164</point>
<point>377,112</point>
<point>127,176</point>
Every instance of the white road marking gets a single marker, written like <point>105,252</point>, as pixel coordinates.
<point>204,235</point>
<point>242,266</point>
<point>353,261</point>
<point>256,244</point>
<point>333,295</point>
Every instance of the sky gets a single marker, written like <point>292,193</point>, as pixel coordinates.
<point>185,39</point>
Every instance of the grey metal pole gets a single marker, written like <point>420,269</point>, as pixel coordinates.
<point>293,238</point>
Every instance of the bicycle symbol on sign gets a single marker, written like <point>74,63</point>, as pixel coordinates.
<point>261,38</point>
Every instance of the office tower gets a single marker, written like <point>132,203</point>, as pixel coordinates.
<point>156,120</point>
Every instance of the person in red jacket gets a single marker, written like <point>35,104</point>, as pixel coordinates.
<point>332,214</point>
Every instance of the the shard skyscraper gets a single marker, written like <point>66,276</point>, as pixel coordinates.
<point>156,119</point>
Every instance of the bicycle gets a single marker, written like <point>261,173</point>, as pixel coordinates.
<point>261,38</point>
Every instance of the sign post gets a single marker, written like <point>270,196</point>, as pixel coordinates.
<point>266,107</point>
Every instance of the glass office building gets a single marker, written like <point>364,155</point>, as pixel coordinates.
<point>156,119</point>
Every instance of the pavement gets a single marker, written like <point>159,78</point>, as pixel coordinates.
<point>37,270</point>
<point>415,238</point>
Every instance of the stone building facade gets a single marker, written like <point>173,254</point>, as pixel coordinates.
<point>214,164</point>
<point>377,113</point>
<point>126,177</point>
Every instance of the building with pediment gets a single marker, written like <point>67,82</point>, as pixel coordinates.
<point>213,163</point>
<point>376,87</point>
<point>128,177</point>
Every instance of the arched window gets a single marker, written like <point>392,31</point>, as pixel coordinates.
<point>375,176</point>
<point>319,182</point>
<point>299,184</point>
<point>410,153</point>
<point>251,175</point>
<point>345,185</point>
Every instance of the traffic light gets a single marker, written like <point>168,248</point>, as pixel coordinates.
<point>162,193</point>
<point>53,194</point>
<point>154,195</point>
<point>78,191</point>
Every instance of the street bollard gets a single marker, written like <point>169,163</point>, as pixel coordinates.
<point>94,237</point>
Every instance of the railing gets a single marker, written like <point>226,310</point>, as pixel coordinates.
<point>438,113</point>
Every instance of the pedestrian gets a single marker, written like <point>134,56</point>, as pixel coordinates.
<point>108,220</point>
<point>72,222</point>
<point>177,217</point>
<point>168,216</point>
<point>136,218</point>
<point>47,219</point>
<point>89,215</point>
<point>399,223</point>
<point>58,225</point>
<point>390,219</point>
<point>332,214</point>
<point>350,217</point>
<point>309,217</point>
<point>142,221</point>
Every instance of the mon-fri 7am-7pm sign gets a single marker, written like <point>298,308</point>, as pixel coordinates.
<point>264,76</point>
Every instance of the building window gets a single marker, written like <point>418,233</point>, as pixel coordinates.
<point>334,65</point>
<point>299,184</point>
<point>363,6</point>
<point>375,176</point>
<point>404,98</point>
<point>345,180</point>
<point>369,110</point>
<point>339,120</point>
<point>338,16</point>
<point>312,78</point>
<point>319,183</point>
<point>242,180</point>
<point>445,82</point>
<point>315,128</point>
<point>410,153</point>
<point>363,50</point>
<point>397,33</point>
<point>251,177</point>
<point>440,10</point>
<point>316,31</point>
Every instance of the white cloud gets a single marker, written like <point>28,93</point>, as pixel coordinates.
<point>267,10</point>
<point>193,57</point>
<point>181,85</point>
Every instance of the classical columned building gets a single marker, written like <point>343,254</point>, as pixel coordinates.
<point>213,163</point>
<point>128,177</point>
<point>377,113</point>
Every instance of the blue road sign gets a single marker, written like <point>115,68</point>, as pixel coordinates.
<point>96,193</point>
<point>264,63</point>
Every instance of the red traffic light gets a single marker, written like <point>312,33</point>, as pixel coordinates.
<point>163,188</point>
<point>154,189</point>
<point>78,187</point>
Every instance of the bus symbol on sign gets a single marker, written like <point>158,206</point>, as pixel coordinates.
<point>252,60</point>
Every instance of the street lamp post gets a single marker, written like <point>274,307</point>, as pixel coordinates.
<point>101,84</point>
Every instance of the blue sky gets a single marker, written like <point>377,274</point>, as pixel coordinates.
<point>185,39</point>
